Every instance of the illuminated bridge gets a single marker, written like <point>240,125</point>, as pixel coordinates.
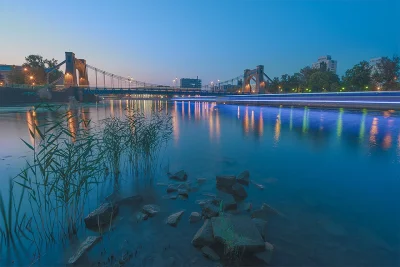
<point>106,83</point>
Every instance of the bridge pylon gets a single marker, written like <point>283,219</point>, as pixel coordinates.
<point>73,64</point>
<point>257,75</point>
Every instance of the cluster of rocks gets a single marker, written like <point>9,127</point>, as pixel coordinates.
<point>240,232</point>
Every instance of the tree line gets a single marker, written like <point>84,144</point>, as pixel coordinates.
<point>33,71</point>
<point>361,77</point>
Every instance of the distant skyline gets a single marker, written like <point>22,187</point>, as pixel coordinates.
<point>156,41</point>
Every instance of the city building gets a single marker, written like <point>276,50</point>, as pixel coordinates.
<point>5,70</point>
<point>331,65</point>
<point>190,83</point>
<point>374,64</point>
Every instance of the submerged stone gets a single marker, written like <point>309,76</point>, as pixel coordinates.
<point>209,253</point>
<point>265,212</point>
<point>194,217</point>
<point>204,236</point>
<point>210,210</point>
<point>151,209</point>
<point>225,181</point>
<point>179,176</point>
<point>266,255</point>
<point>173,219</point>
<point>183,192</point>
<point>86,245</point>
<point>228,202</point>
<point>102,215</point>
<point>239,191</point>
<point>238,232</point>
<point>172,188</point>
<point>244,178</point>
<point>261,227</point>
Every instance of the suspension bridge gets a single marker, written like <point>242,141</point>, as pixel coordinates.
<point>77,73</point>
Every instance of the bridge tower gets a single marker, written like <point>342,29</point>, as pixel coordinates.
<point>71,65</point>
<point>258,76</point>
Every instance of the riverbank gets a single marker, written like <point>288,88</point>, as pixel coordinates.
<point>356,100</point>
<point>10,96</point>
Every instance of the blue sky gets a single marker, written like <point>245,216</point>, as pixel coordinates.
<point>158,40</point>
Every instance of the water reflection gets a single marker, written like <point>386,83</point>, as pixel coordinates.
<point>362,126</point>
<point>374,131</point>
<point>277,127</point>
<point>340,123</point>
<point>260,124</point>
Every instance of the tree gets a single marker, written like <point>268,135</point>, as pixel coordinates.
<point>274,85</point>
<point>36,68</point>
<point>358,77</point>
<point>16,76</point>
<point>387,73</point>
<point>323,81</point>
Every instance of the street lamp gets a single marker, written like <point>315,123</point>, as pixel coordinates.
<point>31,77</point>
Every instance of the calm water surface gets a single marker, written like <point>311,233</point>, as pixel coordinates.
<point>334,174</point>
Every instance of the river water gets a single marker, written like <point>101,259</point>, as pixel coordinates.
<point>333,173</point>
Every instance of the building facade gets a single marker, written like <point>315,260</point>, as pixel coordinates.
<point>331,65</point>
<point>190,83</point>
<point>5,70</point>
<point>374,64</point>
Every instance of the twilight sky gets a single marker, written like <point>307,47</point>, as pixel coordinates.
<point>158,40</point>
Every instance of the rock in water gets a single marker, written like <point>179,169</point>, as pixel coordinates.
<point>179,176</point>
<point>194,217</point>
<point>151,209</point>
<point>265,212</point>
<point>261,227</point>
<point>239,191</point>
<point>204,236</point>
<point>228,202</point>
<point>173,219</point>
<point>183,192</point>
<point>172,188</point>
<point>89,242</point>
<point>102,215</point>
<point>209,253</point>
<point>225,181</point>
<point>210,210</point>
<point>244,178</point>
<point>239,232</point>
<point>266,255</point>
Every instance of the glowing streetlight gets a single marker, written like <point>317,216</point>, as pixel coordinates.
<point>31,77</point>
<point>25,69</point>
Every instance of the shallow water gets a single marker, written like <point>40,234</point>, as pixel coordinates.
<point>334,174</point>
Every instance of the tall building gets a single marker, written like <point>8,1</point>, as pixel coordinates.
<point>331,65</point>
<point>190,83</point>
<point>374,64</point>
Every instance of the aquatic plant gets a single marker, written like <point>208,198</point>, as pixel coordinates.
<point>147,136</point>
<point>10,215</point>
<point>65,168</point>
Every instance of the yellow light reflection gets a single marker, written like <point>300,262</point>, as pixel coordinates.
<point>261,124</point>
<point>112,107</point>
<point>246,121</point>
<point>217,125</point>
<point>183,109</point>
<point>277,128</point>
<point>31,126</point>
<point>387,141</point>
<point>72,124</point>
<point>175,125</point>
<point>197,114</point>
<point>373,131</point>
